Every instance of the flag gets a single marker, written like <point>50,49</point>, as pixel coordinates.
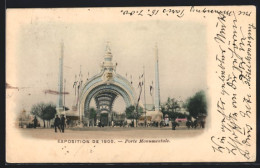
<point>66,108</point>
<point>140,84</point>
<point>151,89</point>
<point>139,94</point>
<point>75,83</point>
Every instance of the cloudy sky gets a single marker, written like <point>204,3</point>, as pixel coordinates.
<point>181,45</point>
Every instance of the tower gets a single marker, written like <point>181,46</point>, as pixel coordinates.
<point>157,85</point>
<point>59,107</point>
<point>107,66</point>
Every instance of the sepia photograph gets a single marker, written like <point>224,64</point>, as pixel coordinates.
<point>92,84</point>
<point>89,83</point>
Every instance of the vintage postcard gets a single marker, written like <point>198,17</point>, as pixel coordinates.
<point>131,84</point>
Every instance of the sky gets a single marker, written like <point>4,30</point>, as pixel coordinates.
<point>181,48</point>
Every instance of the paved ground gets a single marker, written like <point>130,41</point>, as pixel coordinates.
<point>111,133</point>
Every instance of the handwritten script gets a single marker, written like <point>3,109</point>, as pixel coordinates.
<point>234,72</point>
<point>234,42</point>
<point>181,12</point>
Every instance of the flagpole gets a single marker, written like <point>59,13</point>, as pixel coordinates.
<point>79,85</point>
<point>145,123</point>
<point>64,98</point>
<point>151,93</point>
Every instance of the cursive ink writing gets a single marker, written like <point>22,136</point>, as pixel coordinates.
<point>233,41</point>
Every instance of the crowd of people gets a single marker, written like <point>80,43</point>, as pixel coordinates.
<point>160,124</point>
<point>195,124</point>
<point>61,122</point>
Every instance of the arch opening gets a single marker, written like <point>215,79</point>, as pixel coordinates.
<point>105,97</point>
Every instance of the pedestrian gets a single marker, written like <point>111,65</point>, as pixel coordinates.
<point>57,123</point>
<point>35,122</point>
<point>202,123</point>
<point>195,124</point>
<point>67,122</point>
<point>112,123</point>
<point>188,124</point>
<point>62,123</point>
<point>161,124</point>
<point>174,125</point>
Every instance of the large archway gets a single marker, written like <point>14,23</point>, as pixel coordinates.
<point>105,95</point>
<point>104,88</point>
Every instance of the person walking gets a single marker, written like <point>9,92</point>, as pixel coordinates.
<point>35,122</point>
<point>174,125</point>
<point>62,123</point>
<point>67,122</point>
<point>188,124</point>
<point>57,123</point>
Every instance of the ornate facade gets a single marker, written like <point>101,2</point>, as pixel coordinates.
<point>104,88</point>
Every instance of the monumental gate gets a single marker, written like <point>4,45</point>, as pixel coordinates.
<point>104,88</point>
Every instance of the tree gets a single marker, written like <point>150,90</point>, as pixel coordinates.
<point>131,113</point>
<point>38,109</point>
<point>44,111</point>
<point>172,104</point>
<point>49,113</point>
<point>197,105</point>
<point>140,111</point>
<point>170,108</point>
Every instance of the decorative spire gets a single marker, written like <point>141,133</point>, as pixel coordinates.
<point>108,50</point>
<point>108,64</point>
<point>108,54</point>
<point>157,83</point>
<point>62,48</point>
<point>156,51</point>
<point>59,106</point>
